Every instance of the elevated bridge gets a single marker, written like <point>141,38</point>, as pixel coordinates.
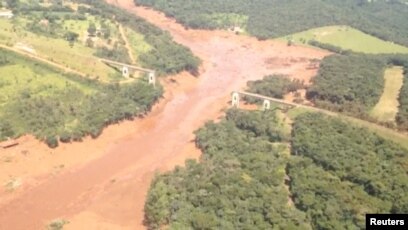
<point>266,105</point>
<point>127,68</point>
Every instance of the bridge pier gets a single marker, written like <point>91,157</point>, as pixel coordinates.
<point>125,71</point>
<point>152,78</point>
<point>235,100</point>
<point>266,105</point>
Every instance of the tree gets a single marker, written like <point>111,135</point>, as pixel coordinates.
<point>71,36</point>
<point>12,3</point>
<point>90,42</point>
<point>51,141</point>
<point>6,130</point>
<point>92,29</point>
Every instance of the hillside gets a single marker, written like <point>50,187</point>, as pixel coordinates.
<point>77,33</point>
<point>264,19</point>
<point>39,100</point>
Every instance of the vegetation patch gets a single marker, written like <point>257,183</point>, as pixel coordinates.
<point>387,108</point>
<point>56,107</point>
<point>275,18</point>
<point>347,38</point>
<point>239,183</point>
<point>402,116</point>
<point>77,33</point>
<point>348,83</point>
<point>365,173</point>
<point>276,86</point>
<point>57,224</point>
<point>336,173</point>
<point>354,83</point>
<point>166,56</point>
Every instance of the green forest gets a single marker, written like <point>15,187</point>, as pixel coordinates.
<point>39,100</point>
<point>238,184</point>
<point>345,173</point>
<point>353,83</point>
<point>348,83</point>
<point>273,86</point>
<point>249,178</point>
<point>274,18</point>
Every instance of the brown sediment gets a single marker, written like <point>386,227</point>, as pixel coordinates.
<point>104,182</point>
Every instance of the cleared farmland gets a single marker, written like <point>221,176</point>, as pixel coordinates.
<point>387,107</point>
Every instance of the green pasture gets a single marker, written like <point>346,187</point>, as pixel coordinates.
<point>346,38</point>
<point>34,81</point>
<point>387,107</point>
<point>137,42</point>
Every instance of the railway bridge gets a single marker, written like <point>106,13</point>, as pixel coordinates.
<point>126,69</point>
<point>266,105</point>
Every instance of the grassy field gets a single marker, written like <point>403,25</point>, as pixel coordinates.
<point>17,78</point>
<point>22,78</point>
<point>137,42</point>
<point>347,38</point>
<point>387,108</point>
<point>79,57</point>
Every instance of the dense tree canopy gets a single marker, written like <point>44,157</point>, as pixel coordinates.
<point>353,83</point>
<point>366,163</point>
<point>336,173</point>
<point>350,83</point>
<point>276,18</point>
<point>274,86</point>
<point>238,184</point>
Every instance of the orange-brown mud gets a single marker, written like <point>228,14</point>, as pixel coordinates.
<point>104,182</point>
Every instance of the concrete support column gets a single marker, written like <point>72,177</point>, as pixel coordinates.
<point>152,78</point>
<point>266,105</point>
<point>235,99</point>
<point>125,72</point>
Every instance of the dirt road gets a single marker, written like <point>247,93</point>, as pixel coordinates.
<point>108,191</point>
<point>127,44</point>
<point>43,60</point>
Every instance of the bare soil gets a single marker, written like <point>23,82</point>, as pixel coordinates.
<point>104,182</point>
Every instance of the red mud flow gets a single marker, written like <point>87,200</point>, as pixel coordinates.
<point>109,192</point>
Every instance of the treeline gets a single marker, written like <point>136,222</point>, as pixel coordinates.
<point>238,184</point>
<point>166,57</point>
<point>348,83</point>
<point>275,18</point>
<point>353,83</point>
<point>71,113</point>
<point>273,86</point>
<point>329,47</point>
<point>341,172</point>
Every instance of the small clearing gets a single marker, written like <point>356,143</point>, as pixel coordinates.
<point>387,108</point>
